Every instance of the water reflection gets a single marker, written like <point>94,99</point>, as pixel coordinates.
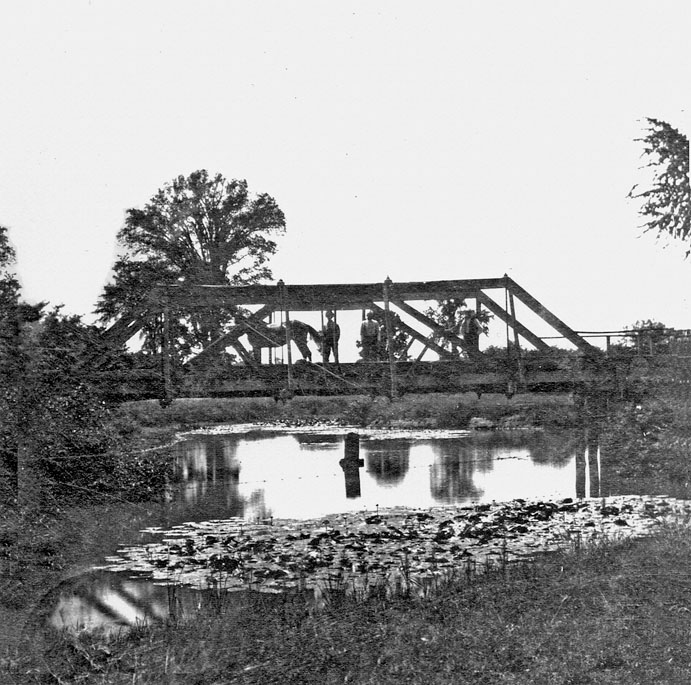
<point>110,602</point>
<point>452,473</point>
<point>308,441</point>
<point>259,476</point>
<point>209,472</point>
<point>589,465</point>
<point>388,461</point>
<point>113,603</point>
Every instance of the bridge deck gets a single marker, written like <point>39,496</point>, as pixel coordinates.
<point>375,377</point>
<point>539,374</point>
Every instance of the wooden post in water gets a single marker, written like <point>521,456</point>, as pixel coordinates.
<point>351,464</point>
<point>352,446</point>
<point>389,337</point>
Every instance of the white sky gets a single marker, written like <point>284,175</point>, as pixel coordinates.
<point>421,141</point>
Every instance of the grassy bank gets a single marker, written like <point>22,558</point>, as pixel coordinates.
<point>610,614</point>
<point>434,410</point>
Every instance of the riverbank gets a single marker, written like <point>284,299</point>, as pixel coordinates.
<point>607,613</point>
<point>580,617</point>
<point>531,410</point>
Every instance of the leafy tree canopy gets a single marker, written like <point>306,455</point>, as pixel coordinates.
<point>652,335</point>
<point>667,203</point>
<point>450,315</point>
<point>9,286</point>
<point>196,230</point>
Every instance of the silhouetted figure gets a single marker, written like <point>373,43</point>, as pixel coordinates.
<point>331,334</point>
<point>471,329</point>
<point>369,337</point>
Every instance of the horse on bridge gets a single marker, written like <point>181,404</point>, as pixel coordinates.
<point>262,335</point>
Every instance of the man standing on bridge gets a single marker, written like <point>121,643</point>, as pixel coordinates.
<point>369,337</point>
<point>330,336</point>
<point>471,329</point>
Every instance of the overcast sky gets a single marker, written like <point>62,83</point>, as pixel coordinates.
<point>419,141</point>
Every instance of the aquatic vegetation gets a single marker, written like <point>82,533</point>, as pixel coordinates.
<point>395,548</point>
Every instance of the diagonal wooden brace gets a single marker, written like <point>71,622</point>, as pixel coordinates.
<point>500,312</point>
<point>542,311</point>
<point>445,354</point>
<point>430,323</point>
<point>231,337</point>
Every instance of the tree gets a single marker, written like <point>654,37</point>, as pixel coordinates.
<point>9,286</point>
<point>450,315</point>
<point>10,368</point>
<point>649,336</point>
<point>667,203</point>
<point>73,447</point>
<point>196,230</point>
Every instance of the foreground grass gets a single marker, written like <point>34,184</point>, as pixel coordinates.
<point>610,614</point>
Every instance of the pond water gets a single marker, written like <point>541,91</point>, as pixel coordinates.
<point>263,475</point>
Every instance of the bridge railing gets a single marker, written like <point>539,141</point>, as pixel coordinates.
<point>652,341</point>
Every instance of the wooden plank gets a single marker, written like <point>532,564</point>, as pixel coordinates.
<point>430,323</point>
<point>314,297</point>
<point>228,339</point>
<point>544,313</point>
<point>125,328</point>
<point>517,344</point>
<point>389,337</point>
<point>499,311</point>
<point>418,336</point>
<point>244,354</point>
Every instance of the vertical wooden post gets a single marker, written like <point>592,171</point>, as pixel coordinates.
<point>165,353</point>
<point>323,332</point>
<point>389,337</point>
<point>272,350</point>
<point>281,286</point>
<point>336,358</point>
<point>351,464</point>
<point>519,357</point>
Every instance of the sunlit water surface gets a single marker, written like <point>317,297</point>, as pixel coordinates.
<point>301,475</point>
<point>263,475</point>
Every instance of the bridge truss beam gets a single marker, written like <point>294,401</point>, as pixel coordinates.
<point>287,298</point>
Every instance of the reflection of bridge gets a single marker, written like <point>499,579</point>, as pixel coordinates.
<point>459,367</point>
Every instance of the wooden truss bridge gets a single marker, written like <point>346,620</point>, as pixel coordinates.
<point>529,364</point>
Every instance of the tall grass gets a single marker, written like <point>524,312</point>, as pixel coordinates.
<point>608,613</point>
